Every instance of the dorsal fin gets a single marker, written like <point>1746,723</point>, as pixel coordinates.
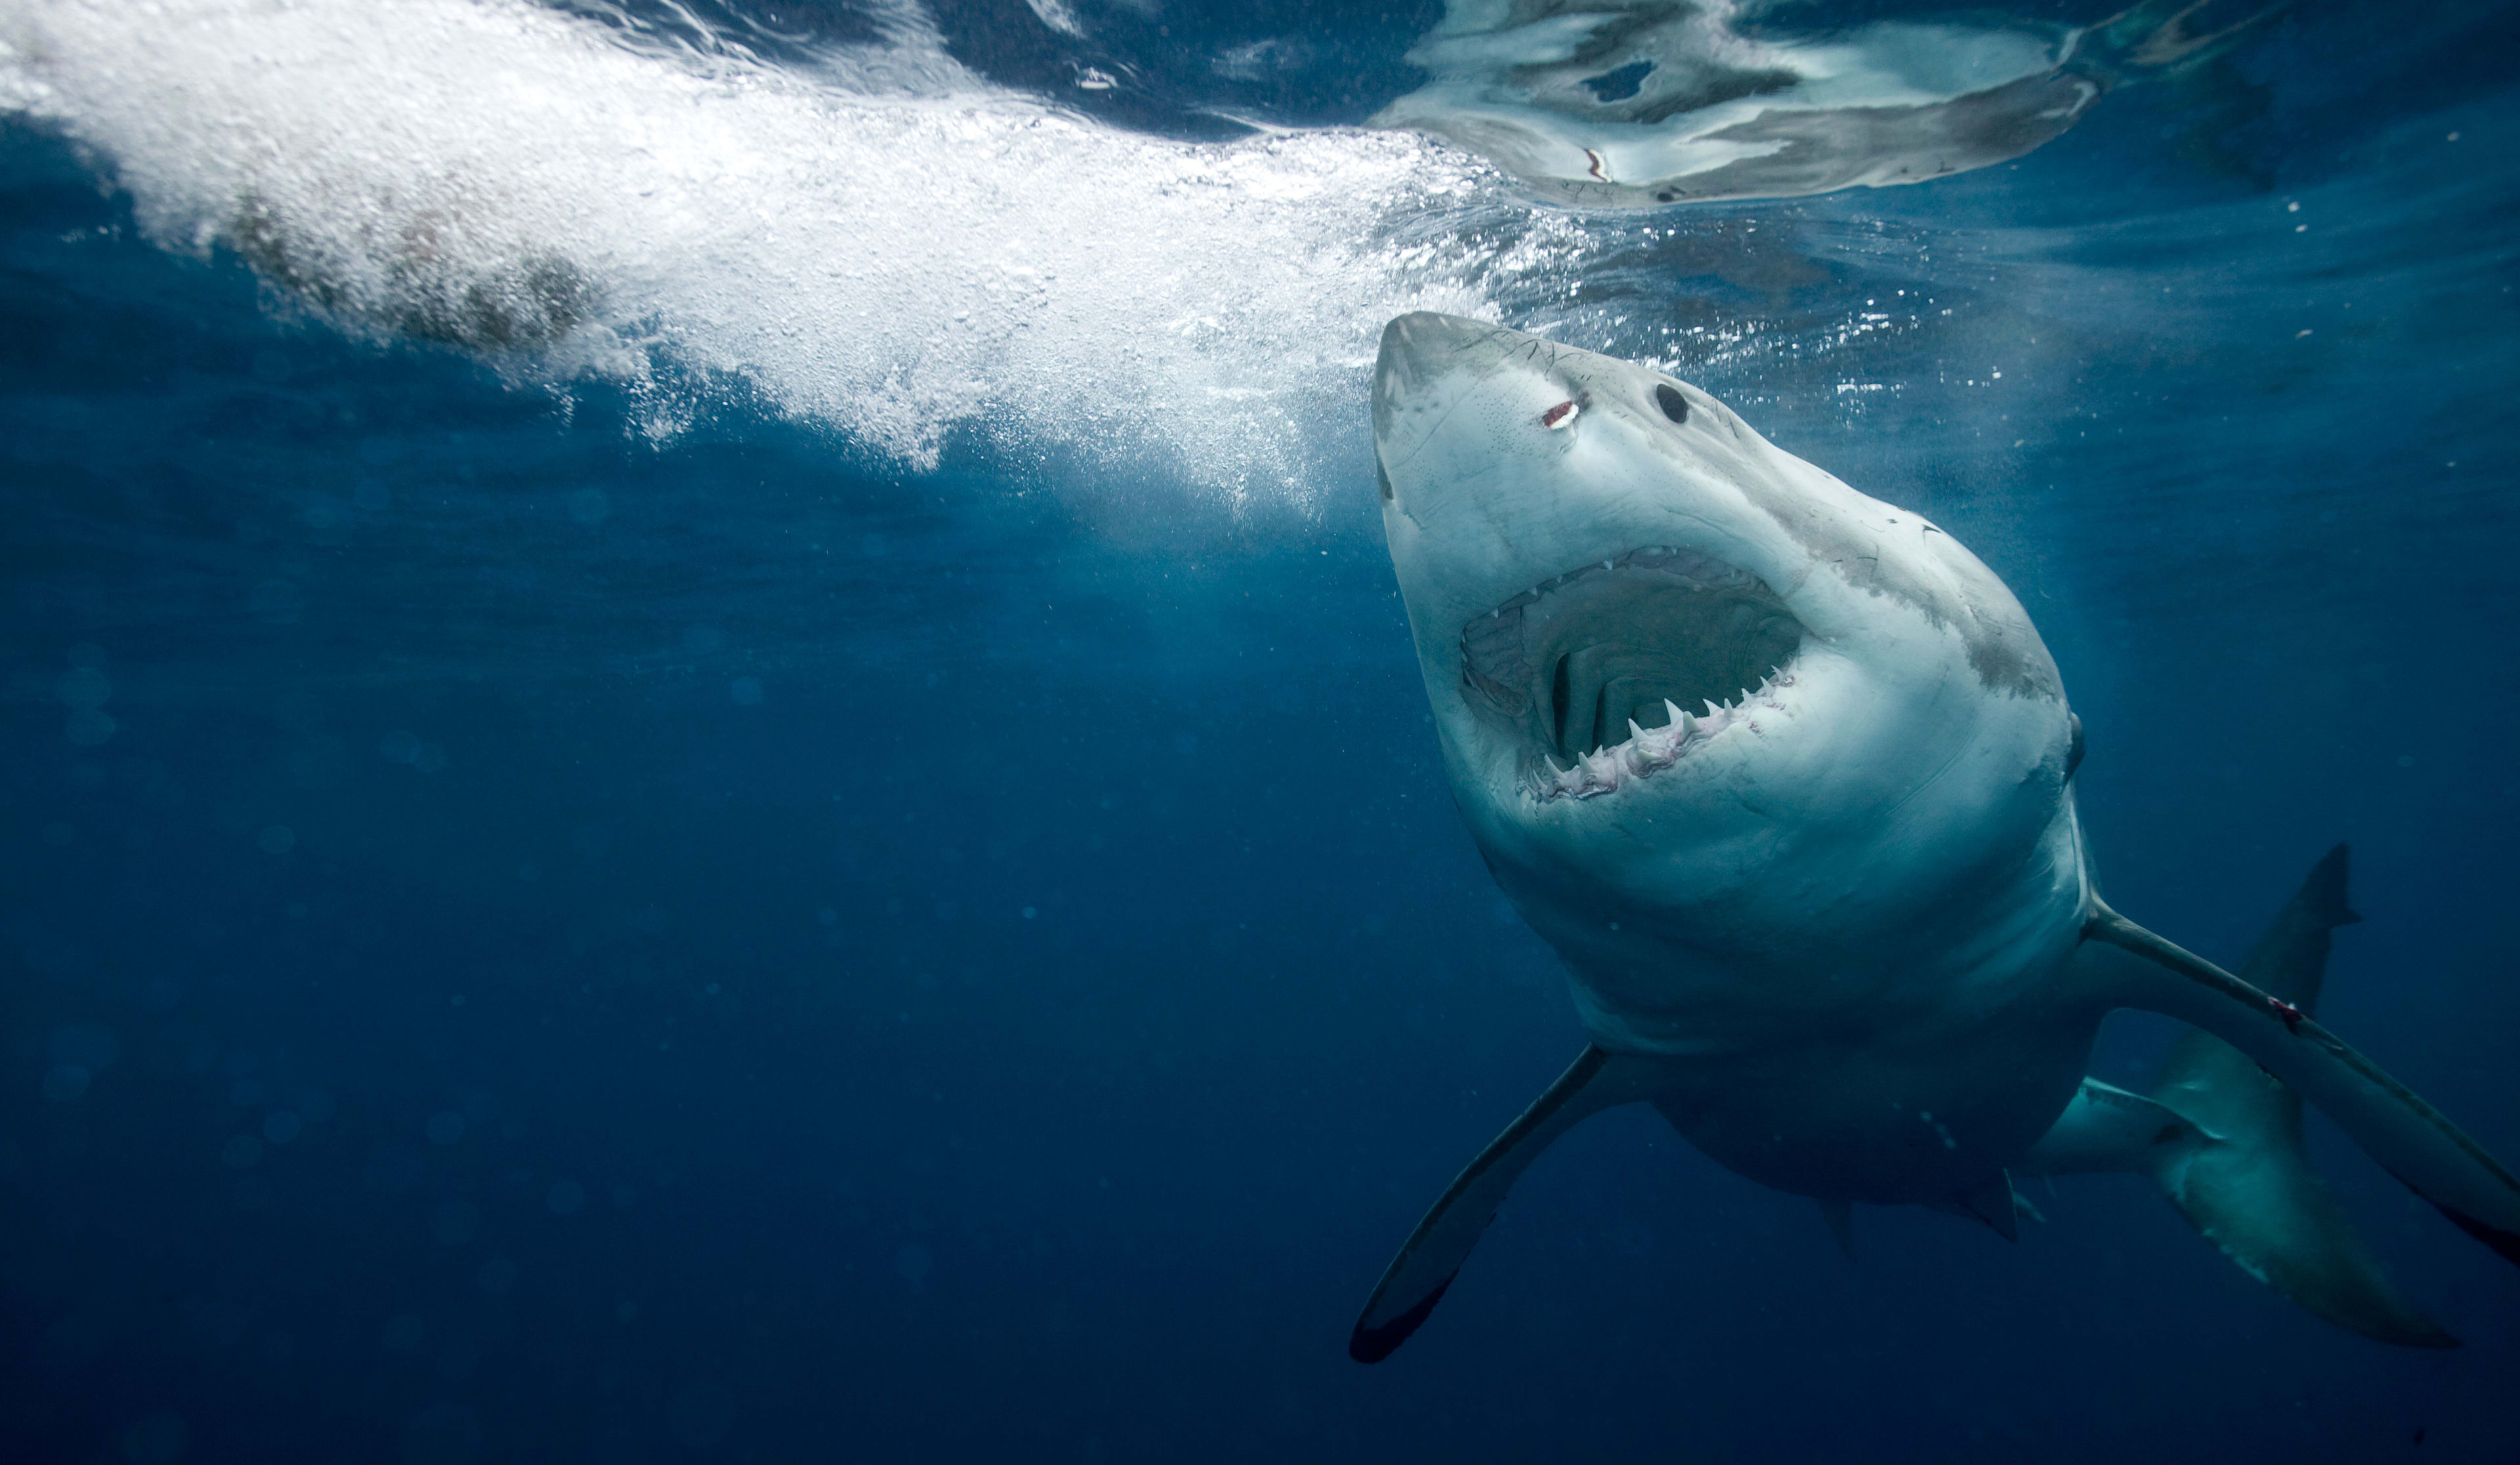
<point>2290,961</point>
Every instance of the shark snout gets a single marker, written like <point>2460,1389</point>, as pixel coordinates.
<point>1425,334</point>
<point>1428,363</point>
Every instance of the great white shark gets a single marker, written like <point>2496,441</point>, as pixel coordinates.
<point>1785,776</point>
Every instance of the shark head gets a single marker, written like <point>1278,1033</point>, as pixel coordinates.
<point>1689,686</point>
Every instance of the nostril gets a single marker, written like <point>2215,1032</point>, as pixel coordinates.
<point>1558,415</point>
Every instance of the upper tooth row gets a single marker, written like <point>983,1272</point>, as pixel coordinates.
<point>1700,571</point>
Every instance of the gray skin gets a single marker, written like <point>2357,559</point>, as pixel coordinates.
<point>1785,775</point>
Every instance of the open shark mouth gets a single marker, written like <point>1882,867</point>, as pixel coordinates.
<point>1597,667</point>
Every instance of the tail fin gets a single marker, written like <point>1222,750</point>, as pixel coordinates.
<point>2253,1193</point>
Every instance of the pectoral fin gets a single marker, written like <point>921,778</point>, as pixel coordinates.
<point>1416,1278</point>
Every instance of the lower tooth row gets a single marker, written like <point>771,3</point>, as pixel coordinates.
<point>1648,751</point>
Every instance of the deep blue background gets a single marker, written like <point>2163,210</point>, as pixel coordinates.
<point>770,957</point>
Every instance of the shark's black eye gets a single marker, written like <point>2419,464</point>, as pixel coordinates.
<point>1382,478</point>
<point>1673,406</point>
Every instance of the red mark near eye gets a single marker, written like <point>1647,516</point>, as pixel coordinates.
<point>2291,1015</point>
<point>1558,415</point>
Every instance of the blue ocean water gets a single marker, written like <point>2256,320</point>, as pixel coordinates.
<point>707,751</point>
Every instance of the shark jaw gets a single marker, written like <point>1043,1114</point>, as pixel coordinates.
<point>1597,667</point>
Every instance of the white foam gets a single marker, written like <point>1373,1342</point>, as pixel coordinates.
<point>883,242</point>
